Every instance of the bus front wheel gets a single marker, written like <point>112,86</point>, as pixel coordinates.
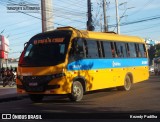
<point>36,97</point>
<point>127,84</point>
<point>76,91</point>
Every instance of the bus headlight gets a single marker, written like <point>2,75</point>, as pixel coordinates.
<point>47,77</point>
<point>58,75</point>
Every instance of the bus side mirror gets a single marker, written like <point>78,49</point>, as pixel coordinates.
<point>25,44</point>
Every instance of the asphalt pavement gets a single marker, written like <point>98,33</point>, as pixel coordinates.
<point>8,93</point>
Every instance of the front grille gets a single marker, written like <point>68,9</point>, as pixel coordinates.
<point>35,89</point>
<point>36,83</point>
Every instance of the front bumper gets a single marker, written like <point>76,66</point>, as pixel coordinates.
<point>43,85</point>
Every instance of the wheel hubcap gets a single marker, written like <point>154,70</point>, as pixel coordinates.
<point>128,84</point>
<point>76,91</point>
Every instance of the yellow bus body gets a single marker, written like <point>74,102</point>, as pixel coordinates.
<point>95,79</point>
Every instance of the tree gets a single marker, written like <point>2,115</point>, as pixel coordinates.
<point>152,53</point>
<point>157,51</point>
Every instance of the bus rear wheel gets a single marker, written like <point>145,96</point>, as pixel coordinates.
<point>127,84</point>
<point>36,97</point>
<point>76,92</point>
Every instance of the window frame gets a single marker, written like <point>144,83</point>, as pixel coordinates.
<point>115,46</point>
<point>87,48</point>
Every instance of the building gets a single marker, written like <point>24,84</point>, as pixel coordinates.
<point>4,49</point>
<point>12,63</point>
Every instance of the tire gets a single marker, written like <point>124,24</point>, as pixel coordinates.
<point>127,84</point>
<point>76,92</point>
<point>36,97</point>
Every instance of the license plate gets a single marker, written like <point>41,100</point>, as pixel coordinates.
<point>33,84</point>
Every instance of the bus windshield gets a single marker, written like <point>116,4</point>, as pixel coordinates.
<point>46,49</point>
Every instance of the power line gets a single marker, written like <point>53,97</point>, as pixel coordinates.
<point>78,3</point>
<point>144,6</point>
<point>155,25</point>
<point>56,15</point>
<point>123,24</point>
<point>30,14</point>
<point>137,21</point>
<point>134,22</point>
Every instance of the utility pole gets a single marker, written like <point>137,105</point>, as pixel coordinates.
<point>117,17</point>
<point>47,15</point>
<point>101,23</point>
<point>90,27</point>
<point>105,19</point>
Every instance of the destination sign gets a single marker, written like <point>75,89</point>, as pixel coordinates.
<point>49,40</point>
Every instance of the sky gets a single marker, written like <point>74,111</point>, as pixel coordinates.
<point>137,17</point>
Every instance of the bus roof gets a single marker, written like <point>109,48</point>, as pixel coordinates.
<point>111,36</point>
<point>104,35</point>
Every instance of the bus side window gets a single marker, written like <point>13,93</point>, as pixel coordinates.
<point>137,50</point>
<point>72,50</point>
<point>127,50</point>
<point>107,50</point>
<point>117,44</point>
<point>145,52</point>
<point>142,50</point>
<point>114,49</point>
<point>77,50</point>
<point>132,50</point>
<point>121,49</point>
<point>92,49</point>
<point>100,48</point>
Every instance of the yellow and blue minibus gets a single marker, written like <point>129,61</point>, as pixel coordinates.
<point>73,62</point>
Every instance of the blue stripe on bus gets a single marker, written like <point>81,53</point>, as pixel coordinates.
<point>89,64</point>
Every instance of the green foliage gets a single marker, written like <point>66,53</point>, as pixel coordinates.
<point>157,53</point>
<point>151,54</point>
